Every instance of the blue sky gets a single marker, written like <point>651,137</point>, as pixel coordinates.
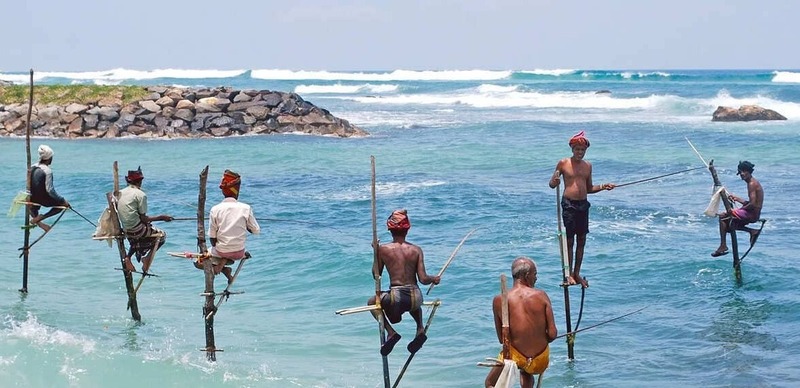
<point>86,35</point>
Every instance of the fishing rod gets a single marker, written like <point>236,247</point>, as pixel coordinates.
<point>257,219</point>
<point>601,323</point>
<point>696,151</point>
<point>81,215</point>
<point>658,177</point>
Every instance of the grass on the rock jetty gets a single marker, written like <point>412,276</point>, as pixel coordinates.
<point>66,94</point>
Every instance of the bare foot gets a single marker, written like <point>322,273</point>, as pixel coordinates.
<point>44,226</point>
<point>571,280</point>
<point>584,283</point>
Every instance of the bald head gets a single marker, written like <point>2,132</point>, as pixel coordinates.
<point>521,267</point>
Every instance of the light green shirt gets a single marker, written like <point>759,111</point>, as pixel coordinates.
<point>132,202</point>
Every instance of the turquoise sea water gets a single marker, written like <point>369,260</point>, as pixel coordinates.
<point>459,150</point>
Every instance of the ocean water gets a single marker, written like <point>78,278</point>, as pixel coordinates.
<point>460,150</point>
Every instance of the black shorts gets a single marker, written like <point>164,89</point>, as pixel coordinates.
<point>576,216</point>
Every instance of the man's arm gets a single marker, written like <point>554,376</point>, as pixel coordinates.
<point>252,223</point>
<point>377,265</point>
<point>51,190</point>
<point>555,180</point>
<point>591,188</point>
<point>497,309</point>
<point>552,331</point>
<point>423,276</point>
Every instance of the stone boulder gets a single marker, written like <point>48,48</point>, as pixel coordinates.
<point>745,113</point>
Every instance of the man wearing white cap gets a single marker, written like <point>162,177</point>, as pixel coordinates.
<point>42,191</point>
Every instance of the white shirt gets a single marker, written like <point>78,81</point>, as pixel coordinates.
<point>132,202</point>
<point>229,222</point>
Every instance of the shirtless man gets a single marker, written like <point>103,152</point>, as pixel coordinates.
<point>575,208</point>
<point>405,263</point>
<point>750,211</point>
<point>530,322</point>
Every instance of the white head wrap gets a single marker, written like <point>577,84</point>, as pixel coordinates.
<point>45,152</point>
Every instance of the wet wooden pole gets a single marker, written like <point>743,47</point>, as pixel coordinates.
<point>208,269</point>
<point>27,237</point>
<point>566,268</point>
<point>112,198</point>
<point>737,268</point>
<point>377,276</point>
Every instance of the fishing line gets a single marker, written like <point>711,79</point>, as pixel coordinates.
<point>658,177</point>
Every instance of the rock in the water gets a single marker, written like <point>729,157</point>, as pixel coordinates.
<point>745,113</point>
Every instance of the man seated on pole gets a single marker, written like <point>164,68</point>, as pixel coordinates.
<point>531,325</point>
<point>136,224</point>
<point>405,263</point>
<point>737,219</point>
<point>42,191</point>
<point>230,221</point>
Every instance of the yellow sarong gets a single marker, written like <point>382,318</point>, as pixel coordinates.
<point>534,366</point>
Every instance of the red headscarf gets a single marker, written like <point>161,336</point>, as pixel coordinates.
<point>398,220</point>
<point>230,184</point>
<point>579,139</point>
<point>134,175</point>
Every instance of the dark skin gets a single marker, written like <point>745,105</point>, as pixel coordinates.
<point>145,219</point>
<point>531,323</point>
<point>578,184</point>
<point>406,265</point>
<point>755,195</point>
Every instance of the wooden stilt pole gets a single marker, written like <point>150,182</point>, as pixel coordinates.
<point>27,237</point>
<point>208,269</point>
<point>377,276</point>
<point>737,268</point>
<point>112,198</point>
<point>566,268</point>
<point>436,305</point>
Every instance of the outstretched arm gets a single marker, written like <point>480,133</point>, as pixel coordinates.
<point>591,188</point>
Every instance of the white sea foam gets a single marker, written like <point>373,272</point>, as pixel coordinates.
<point>123,74</point>
<point>345,89</point>
<point>786,76</point>
<point>553,72</point>
<point>495,97</point>
<point>630,74</point>
<point>43,335</point>
<point>396,75</point>
<point>489,88</point>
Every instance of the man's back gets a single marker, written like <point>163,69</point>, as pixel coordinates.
<point>402,261</point>
<point>132,202</point>
<point>229,223</point>
<point>530,316</point>
<point>756,194</point>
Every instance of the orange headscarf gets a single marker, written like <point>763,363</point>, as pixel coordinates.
<point>230,184</point>
<point>398,220</point>
<point>579,139</point>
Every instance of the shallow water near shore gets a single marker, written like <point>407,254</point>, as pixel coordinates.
<point>458,155</point>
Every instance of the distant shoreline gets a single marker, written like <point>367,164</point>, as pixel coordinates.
<point>94,111</point>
